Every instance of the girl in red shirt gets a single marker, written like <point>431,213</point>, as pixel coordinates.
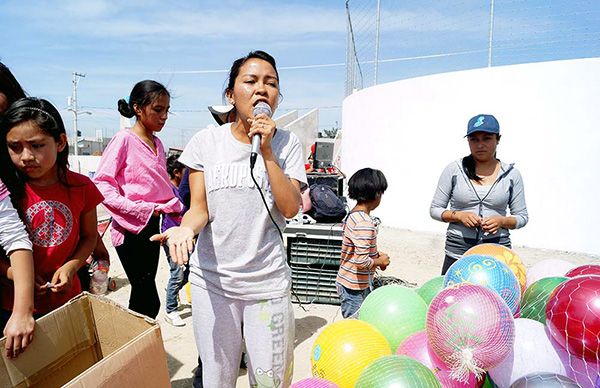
<point>57,205</point>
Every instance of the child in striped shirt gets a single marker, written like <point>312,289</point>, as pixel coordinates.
<point>360,257</point>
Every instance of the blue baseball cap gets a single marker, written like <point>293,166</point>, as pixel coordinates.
<point>483,123</point>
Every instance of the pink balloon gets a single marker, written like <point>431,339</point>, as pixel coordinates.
<point>314,382</point>
<point>470,328</point>
<point>416,347</point>
<point>547,269</point>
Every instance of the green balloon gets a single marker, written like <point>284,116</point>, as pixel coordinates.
<point>488,382</point>
<point>535,298</point>
<point>395,311</point>
<point>431,288</point>
<point>396,371</point>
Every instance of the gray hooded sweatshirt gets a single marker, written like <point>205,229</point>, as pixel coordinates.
<point>455,188</point>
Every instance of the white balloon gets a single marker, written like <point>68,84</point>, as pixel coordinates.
<point>547,269</point>
<point>532,352</point>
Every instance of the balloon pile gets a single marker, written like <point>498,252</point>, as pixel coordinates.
<point>489,322</point>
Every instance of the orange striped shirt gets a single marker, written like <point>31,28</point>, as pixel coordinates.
<point>359,248</point>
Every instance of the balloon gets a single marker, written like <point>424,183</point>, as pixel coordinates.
<point>396,371</point>
<point>586,374</point>
<point>488,272</point>
<point>505,255</point>
<point>470,328</point>
<point>544,380</point>
<point>573,316</point>
<point>395,311</point>
<point>488,382</point>
<point>344,349</point>
<point>535,298</point>
<point>416,347</point>
<point>313,382</point>
<point>532,352</point>
<point>431,288</point>
<point>546,269</point>
<point>588,269</point>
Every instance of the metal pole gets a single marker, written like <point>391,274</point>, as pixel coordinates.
<point>491,34</point>
<point>377,39</point>
<point>75,110</point>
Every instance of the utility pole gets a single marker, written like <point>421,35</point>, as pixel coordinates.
<point>491,33</point>
<point>73,107</point>
<point>377,40</point>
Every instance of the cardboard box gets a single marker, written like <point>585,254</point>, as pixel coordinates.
<point>90,342</point>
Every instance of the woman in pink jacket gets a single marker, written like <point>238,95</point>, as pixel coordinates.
<point>133,178</point>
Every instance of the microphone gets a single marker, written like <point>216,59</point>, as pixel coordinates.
<point>261,107</point>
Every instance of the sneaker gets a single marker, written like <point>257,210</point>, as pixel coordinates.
<point>174,319</point>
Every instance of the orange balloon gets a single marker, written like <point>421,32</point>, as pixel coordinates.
<point>505,255</point>
<point>344,349</point>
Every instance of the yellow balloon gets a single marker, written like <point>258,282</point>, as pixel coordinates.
<point>344,349</point>
<point>505,255</point>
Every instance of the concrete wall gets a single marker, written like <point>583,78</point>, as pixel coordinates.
<point>285,119</point>
<point>549,116</point>
<point>306,127</point>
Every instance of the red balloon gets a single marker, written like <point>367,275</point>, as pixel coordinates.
<point>573,316</point>
<point>588,269</point>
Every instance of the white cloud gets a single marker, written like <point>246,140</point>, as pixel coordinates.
<point>98,18</point>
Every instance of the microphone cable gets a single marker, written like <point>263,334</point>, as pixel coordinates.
<point>262,196</point>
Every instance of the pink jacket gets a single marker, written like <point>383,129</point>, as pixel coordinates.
<point>134,181</point>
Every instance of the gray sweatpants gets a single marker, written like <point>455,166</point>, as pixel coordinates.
<point>222,325</point>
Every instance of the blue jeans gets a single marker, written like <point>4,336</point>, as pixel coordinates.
<point>351,300</point>
<point>178,278</point>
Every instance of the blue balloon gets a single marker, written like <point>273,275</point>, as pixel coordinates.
<point>488,272</point>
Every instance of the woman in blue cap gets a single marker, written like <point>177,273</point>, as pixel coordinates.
<point>474,192</point>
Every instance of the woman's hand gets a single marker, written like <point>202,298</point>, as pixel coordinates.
<point>180,240</point>
<point>468,219</point>
<point>62,279</point>
<point>492,224</point>
<point>264,126</point>
<point>19,333</point>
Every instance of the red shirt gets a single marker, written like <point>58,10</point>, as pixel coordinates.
<point>52,216</point>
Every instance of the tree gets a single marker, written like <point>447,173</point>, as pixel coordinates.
<point>331,133</point>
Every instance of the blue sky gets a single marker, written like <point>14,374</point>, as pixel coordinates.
<point>189,45</point>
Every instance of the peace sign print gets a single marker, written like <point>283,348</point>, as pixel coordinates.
<point>49,232</point>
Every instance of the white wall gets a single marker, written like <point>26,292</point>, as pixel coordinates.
<point>305,127</point>
<point>285,119</point>
<point>84,164</point>
<point>549,116</point>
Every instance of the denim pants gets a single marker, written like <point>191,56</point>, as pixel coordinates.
<point>178,278</point>
<point>351,300</point>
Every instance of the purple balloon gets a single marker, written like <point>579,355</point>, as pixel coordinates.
<point>585,373</point>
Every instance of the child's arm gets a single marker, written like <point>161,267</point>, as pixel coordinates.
<point>20,326</point>
<point>14,240</point>
<point>88,234</point>
<point>100,252</point>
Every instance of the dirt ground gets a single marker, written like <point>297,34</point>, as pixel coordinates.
<point>416,257</point>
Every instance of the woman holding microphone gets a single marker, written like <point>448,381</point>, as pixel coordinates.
<point>239,274</point>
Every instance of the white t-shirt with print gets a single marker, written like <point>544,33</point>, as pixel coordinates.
<point>239,253</point>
